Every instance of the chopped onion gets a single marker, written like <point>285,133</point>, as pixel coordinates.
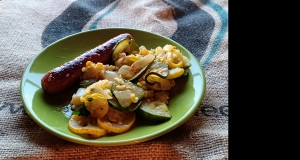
<point>76,97</point>
<point>110,75</point>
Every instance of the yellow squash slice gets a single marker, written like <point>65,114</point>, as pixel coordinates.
<point>116,121</point>
<point>85,125</point>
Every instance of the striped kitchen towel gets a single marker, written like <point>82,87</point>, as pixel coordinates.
<point>201,26</point>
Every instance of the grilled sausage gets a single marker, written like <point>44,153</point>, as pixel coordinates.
<point>64,76</point>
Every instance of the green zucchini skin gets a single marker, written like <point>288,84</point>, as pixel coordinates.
<point>185,74</point>
<point>136,77</point>
<point>127,45</point>
<point>138,91</point>
<point>154,66</point>
<point>85,83</point>
<point>113,103</point>
<point>148,113</point>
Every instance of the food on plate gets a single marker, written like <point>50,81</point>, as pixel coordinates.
<point>62,77</point>
<point>116,121</point>
<point>86,125</point>
<point>155,111</point>
<point>133,85</point>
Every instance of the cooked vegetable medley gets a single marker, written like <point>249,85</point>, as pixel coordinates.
<point>136,84</point>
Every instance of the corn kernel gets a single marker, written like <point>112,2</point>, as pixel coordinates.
<point>144,51</point>
<point>120,87</point>
<point>89,63</point>
<point>132,97</point>
<point>139,84</point>
<point>133,58</point>
<point>99,66</point>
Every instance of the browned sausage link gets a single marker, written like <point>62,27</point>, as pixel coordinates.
<point>60,78</point>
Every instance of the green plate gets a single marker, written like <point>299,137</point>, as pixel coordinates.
<point>51,113</point>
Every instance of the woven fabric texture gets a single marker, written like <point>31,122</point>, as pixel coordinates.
<point>27,27</point>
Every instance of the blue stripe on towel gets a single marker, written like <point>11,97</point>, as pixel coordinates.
<point>94,24</point>
<point>224,26</point>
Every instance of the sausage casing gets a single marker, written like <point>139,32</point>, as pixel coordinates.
<point>62,77</point>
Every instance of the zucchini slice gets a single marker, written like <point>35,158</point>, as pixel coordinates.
<point>129,46</point>
<point>87,82</point>
<point>113,103</point>
<point>155,111</point>
<point>123,91</point>
<point>138,91</point>
<point>138,75</point>
<point>159,69</point>
<point>185,73</point>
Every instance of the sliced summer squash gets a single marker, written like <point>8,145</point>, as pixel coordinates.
<point>116,105</point>
<point>126,45</point>
<point>85,125</point>
<point>87,82</point>
<point>130,92</point>
<point>155,111</point>
<point>138,75</point>
<point>116,121</point>
<point>157,69</point>
<point>96,104</point>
